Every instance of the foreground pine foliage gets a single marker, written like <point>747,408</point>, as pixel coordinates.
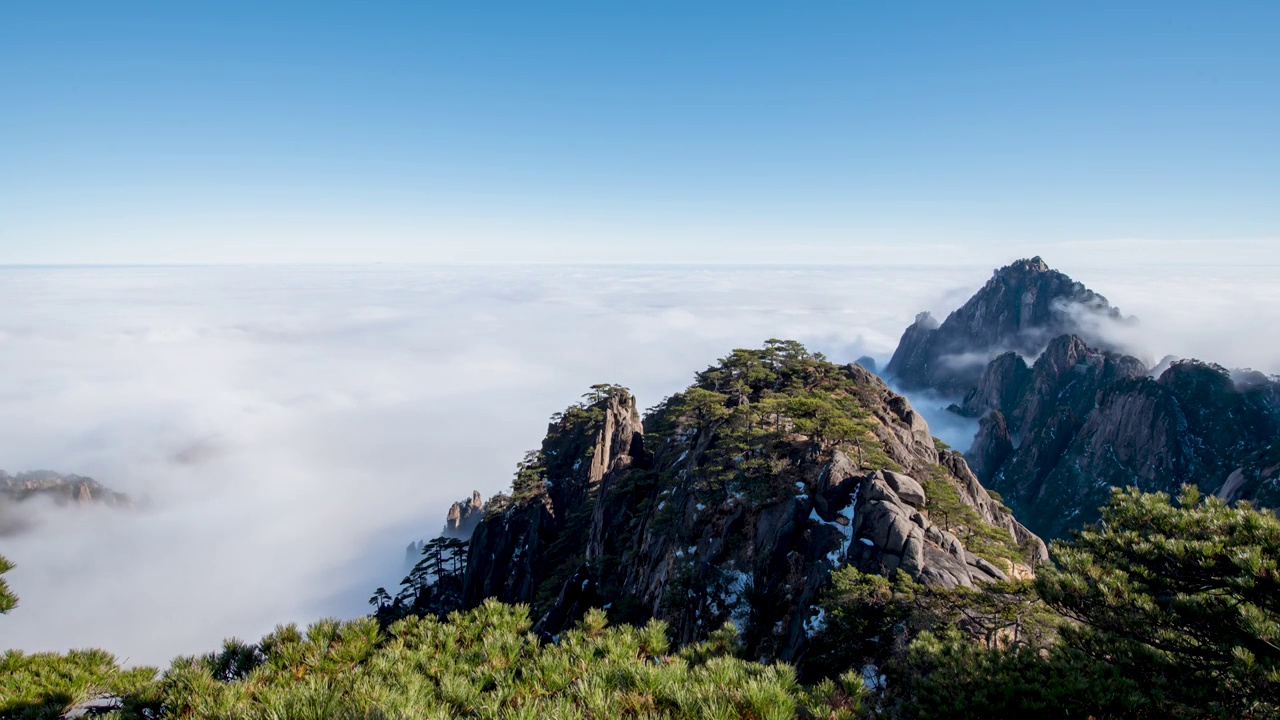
<point>1167,609</point>
<point>44,685</point>
<point>1181,597</point>
<point>481,664</point>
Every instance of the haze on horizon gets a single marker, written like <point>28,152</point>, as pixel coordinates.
<point>1100,134</point>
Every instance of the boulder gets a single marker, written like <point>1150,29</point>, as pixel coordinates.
<point>906,488</point>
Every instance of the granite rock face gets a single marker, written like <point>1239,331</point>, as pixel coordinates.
<point>463,516</point>
<point>992,446</point>
<point>459,522</point>
<point>511,549</point>
<point>1192,425</point>
<point>1056,435</point>
<point>693,519</point>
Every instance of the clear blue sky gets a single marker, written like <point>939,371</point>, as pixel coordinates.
<point>316,131</point>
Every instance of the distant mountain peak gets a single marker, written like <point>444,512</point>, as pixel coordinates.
<point>1064,416</point>
<point>1024,306</point>
<point>926,320</point>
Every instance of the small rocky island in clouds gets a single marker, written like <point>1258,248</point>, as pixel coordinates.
<point>19,494</point>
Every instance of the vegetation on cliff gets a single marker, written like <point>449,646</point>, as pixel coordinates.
<point>733,500</point>
<point>1167,610</point>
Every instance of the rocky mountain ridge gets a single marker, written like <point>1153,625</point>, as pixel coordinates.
<point>56,488</point>
<point>734,501</point>
<point>1056,434</point>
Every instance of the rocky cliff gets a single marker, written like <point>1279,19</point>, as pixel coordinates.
<point>459,522</point>
<point>463,516</point>
<point>734,500</point>
<point>1257,480</point>
<point>1056,434</point>
<point>1090,421</point>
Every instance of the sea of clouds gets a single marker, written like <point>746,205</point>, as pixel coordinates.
<point>288,430</point>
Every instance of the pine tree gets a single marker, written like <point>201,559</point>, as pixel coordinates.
<point>1183,598</point>
<point>8,601</point>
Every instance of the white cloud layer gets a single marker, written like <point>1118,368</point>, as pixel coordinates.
<point>290,429</point>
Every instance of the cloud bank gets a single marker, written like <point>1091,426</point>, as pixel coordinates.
<point>289,429</point>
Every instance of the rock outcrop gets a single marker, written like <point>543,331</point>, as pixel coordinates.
<point>557,497</point>
<point>463,516</point>
<point>1055,436</point>
<point>58,489</point>
<point>734,501</point>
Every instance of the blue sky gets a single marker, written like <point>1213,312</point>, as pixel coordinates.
<point>656,132</point>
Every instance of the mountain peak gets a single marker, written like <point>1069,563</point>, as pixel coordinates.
<point>1056,435</point>
<point>1034,265</point>
<point>734,500</point>
<point>1021,308</point>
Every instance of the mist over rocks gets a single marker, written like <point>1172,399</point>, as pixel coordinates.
<point>459,522</point>
<point>1021,308</point>
<point>61,489</point>
<point>24,496</point>
<point>1063,418</point>
<point>291,427</point>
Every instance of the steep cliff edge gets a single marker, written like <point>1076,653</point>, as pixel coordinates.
<point>1116,429</point>
<point>734,500</point>
<point>1054,436</point>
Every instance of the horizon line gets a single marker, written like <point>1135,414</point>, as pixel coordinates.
<point>555,263</point>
